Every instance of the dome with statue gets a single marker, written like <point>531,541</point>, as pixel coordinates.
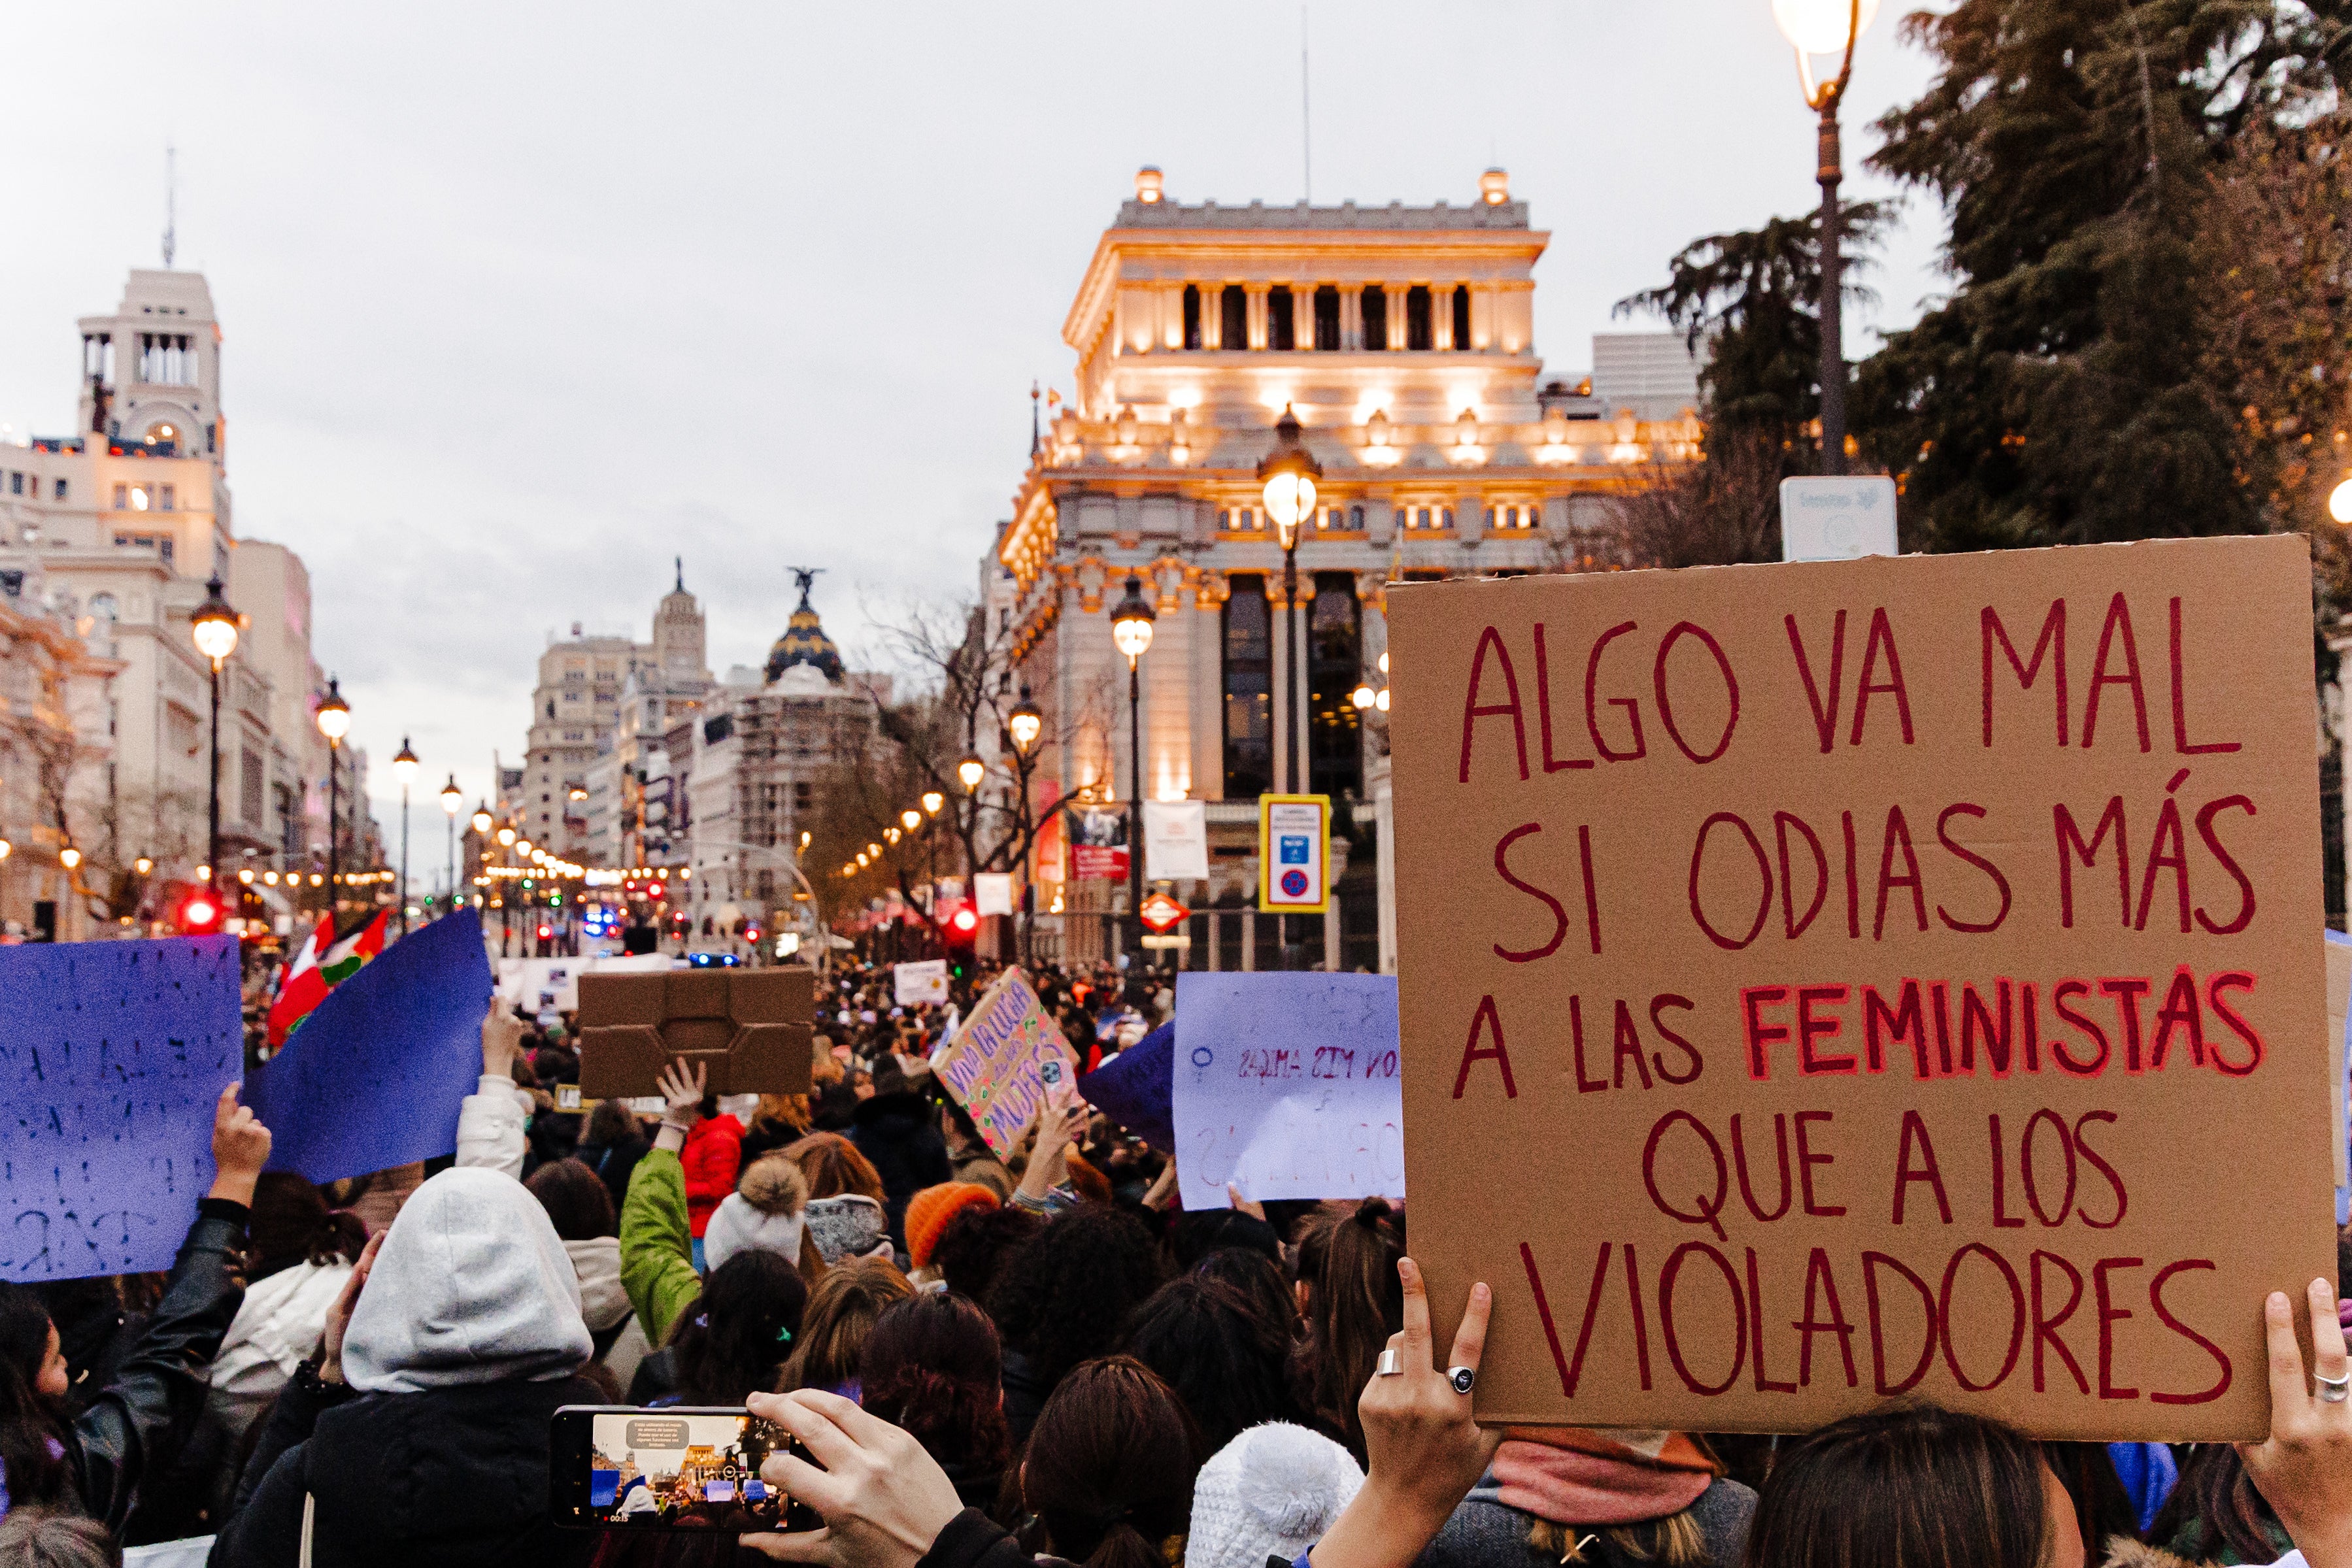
<point>805,648</point>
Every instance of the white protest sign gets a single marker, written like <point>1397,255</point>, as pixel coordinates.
<point>923,983</point>
<point>1285,1085</point>
<point>1175,840</point>
<point>1837,519</point>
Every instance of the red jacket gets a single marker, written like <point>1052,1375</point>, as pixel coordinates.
<point>713,1151</point>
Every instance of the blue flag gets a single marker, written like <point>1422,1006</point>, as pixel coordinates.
<point>1133,1088</point>
<point>372,1078</point>
<point>114,1055</point>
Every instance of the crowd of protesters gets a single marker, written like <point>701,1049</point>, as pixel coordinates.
<point>992,1362</point>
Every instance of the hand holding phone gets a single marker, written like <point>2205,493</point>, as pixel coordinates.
<point>882,1499</point>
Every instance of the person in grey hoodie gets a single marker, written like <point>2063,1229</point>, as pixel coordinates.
<point>421,1433</point>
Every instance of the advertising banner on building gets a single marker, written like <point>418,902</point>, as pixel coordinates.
<point>1915,954</point>
<point>1176,840</point>
<point>1098,844</point>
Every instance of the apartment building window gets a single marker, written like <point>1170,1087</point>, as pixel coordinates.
<point>1327,317</point>
<point>1191,315</point>
<point>122,498</point>
<point>1281,318</point>
<point>803,795</point>
<point>250,784</point>
<point>1461,319</point>
<point>16,483</point>
<point>1514,517</point>
<point>1232,310</point>
<point>1420,518</point>
<point>1417,329</point>
<point>1375,303</point>
<point>1249,690</point>
<point>167,498</point>
<point>61,489</point>
<point>1331,520</point>
<point>1239,519</point>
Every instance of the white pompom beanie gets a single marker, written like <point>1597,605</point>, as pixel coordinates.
<point>1272,1492</point>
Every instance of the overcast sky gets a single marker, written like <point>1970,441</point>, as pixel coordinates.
<point>519,302</point>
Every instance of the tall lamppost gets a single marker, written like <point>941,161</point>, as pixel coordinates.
<point>1022,727</point>
<point>215,627</point>
<point>1827,27</point>
<point>1288,474</point>
<point>403,767</point>
<point>1130,628</point>
<point>506,899</point>
<point>334,722</point>
<point>452,802</point>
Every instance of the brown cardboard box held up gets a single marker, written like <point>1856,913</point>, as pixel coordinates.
<point>749,1027</point>
<point>1831,983</point>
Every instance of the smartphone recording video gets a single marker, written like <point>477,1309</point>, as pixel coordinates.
<point>621,1467</point>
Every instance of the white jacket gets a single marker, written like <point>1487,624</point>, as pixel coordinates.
<point>491,1125</point>
<point>281,1321</point>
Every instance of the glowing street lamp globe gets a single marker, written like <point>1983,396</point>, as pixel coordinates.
<point>1025,724</point>
<point>1130,624</point>
<point>404,764</point>
<point>453,800</point>
<point>2339,502</point>
<point>933,801</point>
<point>215,625</point>
<point>1823,26</point>
<point>334,714</point>
<point>911,818</point>
<point>1287,476</point>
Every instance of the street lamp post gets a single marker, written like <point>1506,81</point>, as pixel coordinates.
<point>1022,727</point>
<point>1288,474</point>
<point>506,900</point>
<point>215,627</point>
<point>1827,27</point>
<point>1130,628</point>
<point>452,802</point>
<point>334,718</point>
<point>403,767</point>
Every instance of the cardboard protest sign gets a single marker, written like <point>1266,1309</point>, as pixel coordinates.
<point>1826,983</point>
<point>748,1029</point>
<point>918,984</point>
<point>2338,953</point>
<point>1286,1086</point>
<point>114,1055</point>
<point>997,1065</point>
<point>372,1078</point>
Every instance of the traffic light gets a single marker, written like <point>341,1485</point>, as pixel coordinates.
<point>200,913</point>
<point>961,931</point>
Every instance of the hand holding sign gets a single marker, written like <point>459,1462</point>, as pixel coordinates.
<point>240,1149</point>
<point>2304,1469</point>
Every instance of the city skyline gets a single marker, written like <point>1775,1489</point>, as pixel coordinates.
<point>503,375</point>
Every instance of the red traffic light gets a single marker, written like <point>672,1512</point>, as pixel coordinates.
<point>963,922</point>
<point>199,911</point>
<point>545,932</point>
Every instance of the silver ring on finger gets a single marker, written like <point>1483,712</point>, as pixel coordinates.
<point>1463,1378</point>
<point>2334,1390</point>
<point>1391,1363</point>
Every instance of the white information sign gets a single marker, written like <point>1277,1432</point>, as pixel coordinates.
<point>1837,519</point>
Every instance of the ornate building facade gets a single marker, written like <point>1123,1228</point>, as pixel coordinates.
<point>1403,339</point>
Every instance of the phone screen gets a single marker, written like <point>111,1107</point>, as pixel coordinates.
<point>622,1467</point>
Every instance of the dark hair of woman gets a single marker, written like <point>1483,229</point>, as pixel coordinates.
<point>1222,1354</point>
<point>932,1365</point>
<point>970,1252</point>
<point>1914,1487</point>
<point>29,1421</point>
<point>841,1314</point>
<point>1063,1297</point>
<point>1348,1256</point>
<point>2214,1508</point>
<point>733,1341</point>
<point>575,1199</point>
<point>1257,1277</point>
<point>1110,1467</point>
<point>1196,1233</point>
<point>610,1123</point>
<point>834,1166</point>
<point>290,1223</point>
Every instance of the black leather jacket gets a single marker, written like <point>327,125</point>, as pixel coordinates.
<point>111,1445</point>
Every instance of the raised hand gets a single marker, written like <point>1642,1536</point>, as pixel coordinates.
<point>1426,1451</point>
<point>2303,1469</point>
<point>339,1316</point>
<point>684,1108</point>
<point>240,1148</point>
<point>501,1040</point>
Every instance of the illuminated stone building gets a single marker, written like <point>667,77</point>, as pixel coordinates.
<point>1402,337</point>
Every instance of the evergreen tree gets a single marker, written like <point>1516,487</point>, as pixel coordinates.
<point>2063,392</point>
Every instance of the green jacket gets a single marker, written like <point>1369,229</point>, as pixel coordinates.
<point>656,1252</point>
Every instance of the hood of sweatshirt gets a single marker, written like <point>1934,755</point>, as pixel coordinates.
<point>471,1286</point>
<point>597,1263</point>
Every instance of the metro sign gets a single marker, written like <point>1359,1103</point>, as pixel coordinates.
<point>1161,913</point>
